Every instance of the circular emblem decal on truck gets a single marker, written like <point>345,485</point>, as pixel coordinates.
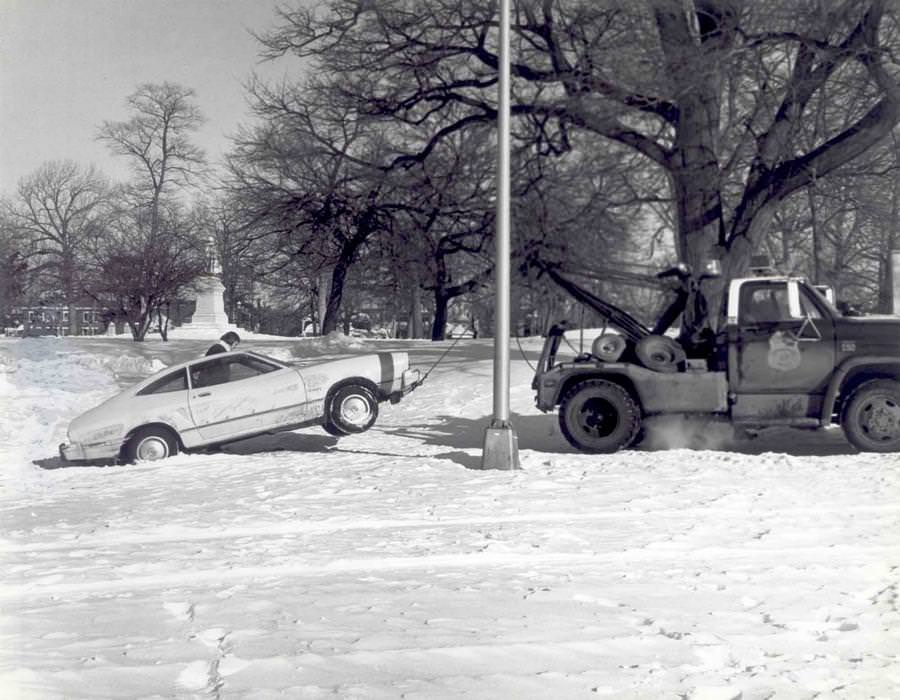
<point>784,352</point>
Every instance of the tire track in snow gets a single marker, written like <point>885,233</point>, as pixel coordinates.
<point>166,534</point>
<point>745,557</point>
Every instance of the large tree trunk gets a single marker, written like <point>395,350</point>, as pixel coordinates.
<point>324,289</point>
<point>336,293</point>
<point>886,277</point>
<point>441,306</point>
<point>415,313</point>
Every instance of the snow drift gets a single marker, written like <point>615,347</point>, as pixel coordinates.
<point>387,565</point>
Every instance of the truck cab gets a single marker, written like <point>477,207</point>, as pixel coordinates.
<point>784,356</point>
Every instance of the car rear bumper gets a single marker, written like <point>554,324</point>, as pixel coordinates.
<point>410,379</point>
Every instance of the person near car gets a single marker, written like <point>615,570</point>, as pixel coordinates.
<point>228,341</point>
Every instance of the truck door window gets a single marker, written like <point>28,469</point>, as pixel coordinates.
<point>764,303</point>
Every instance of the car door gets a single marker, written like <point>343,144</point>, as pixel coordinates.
<point>234,394</point>
<point>779,366</point>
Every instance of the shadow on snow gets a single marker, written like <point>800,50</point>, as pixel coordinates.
<point>536,433</point>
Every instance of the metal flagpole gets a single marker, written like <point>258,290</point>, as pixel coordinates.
<point>501,448</point>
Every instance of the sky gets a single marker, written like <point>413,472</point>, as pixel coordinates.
<point>68,65</point>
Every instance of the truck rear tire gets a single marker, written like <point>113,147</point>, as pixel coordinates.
<point>599,416</point>
<point>871,416</point>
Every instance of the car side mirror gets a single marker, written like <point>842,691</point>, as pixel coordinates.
<point>794,308</point>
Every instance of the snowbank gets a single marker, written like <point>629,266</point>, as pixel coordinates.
<point>387,565</point>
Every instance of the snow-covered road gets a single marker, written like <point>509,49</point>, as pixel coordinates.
<point>385,565</point>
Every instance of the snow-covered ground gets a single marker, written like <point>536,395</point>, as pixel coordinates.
<point>386,565</point>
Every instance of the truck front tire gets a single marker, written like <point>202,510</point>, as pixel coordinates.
<point>599,416</point>
<point>871,416</point>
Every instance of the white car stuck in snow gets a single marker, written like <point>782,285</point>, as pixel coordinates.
<point>230,396</point>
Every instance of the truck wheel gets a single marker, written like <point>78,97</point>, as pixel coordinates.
<point>599,416</point>
<point>352,409</point>
<point>871,416</point>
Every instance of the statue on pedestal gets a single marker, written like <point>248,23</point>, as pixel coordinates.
<point>209,315</point>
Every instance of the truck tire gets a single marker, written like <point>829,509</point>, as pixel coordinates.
<point>659,353</point>
<point>608,347</point>
<point>599,416</point>
<point>871,416</point>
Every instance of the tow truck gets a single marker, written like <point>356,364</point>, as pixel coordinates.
<point>784,356</point>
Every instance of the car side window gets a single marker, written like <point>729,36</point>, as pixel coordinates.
<point>228,368</point>
<point>177,381</point>
<point>244,367</point>
<point>209,373</point>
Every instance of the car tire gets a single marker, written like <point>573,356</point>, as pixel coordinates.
<point>352,409</point>
<point>332,429</point>
<point>871,416</point>
<point>599,416</point>
<point>151,444</point>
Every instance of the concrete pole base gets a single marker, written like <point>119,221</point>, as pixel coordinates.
<point>501,448</point>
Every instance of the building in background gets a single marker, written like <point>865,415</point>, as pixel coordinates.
<point>47,319</point>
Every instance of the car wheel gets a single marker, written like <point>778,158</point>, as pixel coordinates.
<point>599,416</point>
<point>352,409</point>
<point>332,429</point>
<point>151,444</point>
<point>871,416</point>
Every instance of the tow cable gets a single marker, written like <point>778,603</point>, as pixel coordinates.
<point>453,345</point>
<point>439,360</point>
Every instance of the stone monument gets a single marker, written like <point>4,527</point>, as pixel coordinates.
<point>209,317</point>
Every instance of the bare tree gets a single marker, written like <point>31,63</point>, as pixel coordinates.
<point>152,252</point>
<point>137,276</point>
<point>299,177</point>
<point>13,267</point>
<point>157,138</point>
<point>60,208</point>
<point>714,94</point>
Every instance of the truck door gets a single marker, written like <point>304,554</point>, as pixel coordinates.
<point>779,366</point>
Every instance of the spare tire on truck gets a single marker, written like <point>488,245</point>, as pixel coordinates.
<point>660,353</point>
<point>608,347</point>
